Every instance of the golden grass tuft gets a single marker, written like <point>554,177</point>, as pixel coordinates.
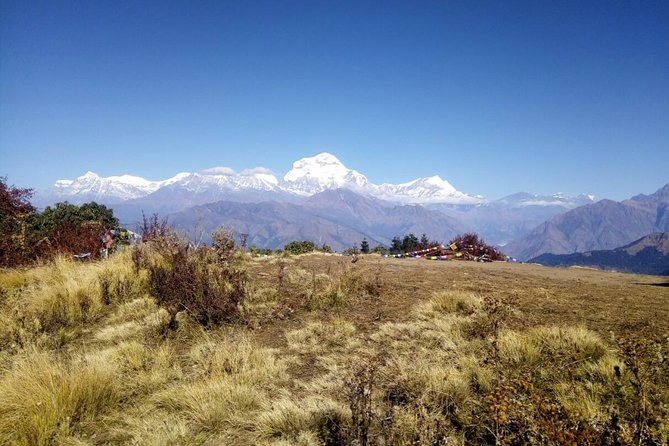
<point>133,310</point>
<point>229,381</point>
<point>45,399</point>
<point>143,369</point>
<point>551,343</point>
<point>64,295</point>
<point>580,401</point>
<point>288,419</point>
<point>236,356</point>
<point>11,280</point>
<point>212,404</point>
<point>441,302</point>
<point>322,337</point>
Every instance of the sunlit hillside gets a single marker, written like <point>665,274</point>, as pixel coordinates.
<point>319,350</point>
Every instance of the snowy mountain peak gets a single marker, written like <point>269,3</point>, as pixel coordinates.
<point>426,190</point>
<point>434,182</point>
<point>89,175</point>
<point>321,172</point>
<point>323,165</point>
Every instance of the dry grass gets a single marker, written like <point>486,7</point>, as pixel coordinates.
<point>45,400</point>
<point>394,351</point>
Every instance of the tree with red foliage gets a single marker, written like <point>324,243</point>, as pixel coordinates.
<point>15,209</point>
<point>471,245</point>
<point>27,235</point>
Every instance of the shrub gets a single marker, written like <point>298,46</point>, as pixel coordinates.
<point>302,247</point>
<point>195,282</point>
<point>223,241</point>
<point>473,246</point>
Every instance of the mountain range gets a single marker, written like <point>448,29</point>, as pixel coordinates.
<point>499,221</point>
<point>339,217</point>
<point>647,255</point>
<point>308,176</point>
<point>603,225</point>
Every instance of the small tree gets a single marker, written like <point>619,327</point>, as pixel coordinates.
<point>364,246</point>
<point>195,281</point>
<point>396,245</point>
<point>424,241</point>
<point>410,243</point>
<point>154,229</point>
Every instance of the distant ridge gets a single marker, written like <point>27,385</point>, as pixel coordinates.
<point>647,255</point>
<point>339,217</point>
<point>603,225</point>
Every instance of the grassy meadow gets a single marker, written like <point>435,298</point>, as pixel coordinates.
<point>317,350</point>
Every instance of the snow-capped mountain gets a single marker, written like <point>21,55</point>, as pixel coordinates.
<point>524,199</point>
<point>92,186</point>
<point>309,180</point>
<point>308,176</point>
<point>425,191</point>
<point>213,179</point>
<point>322,172</point>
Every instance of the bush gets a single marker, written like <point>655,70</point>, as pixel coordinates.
<point>224,244</point>
<point>472,246</point>
<point>194,280</point>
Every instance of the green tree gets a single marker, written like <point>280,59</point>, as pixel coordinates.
<point>364,246</point>
<point>396,245</point>
<point>99,213</point>
<point>66,213</point>
<point>68,228</point>
<point>410,243</point>
<point>297,247</point>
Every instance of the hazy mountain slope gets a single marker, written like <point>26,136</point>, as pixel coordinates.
<point>648,255</point>
<point>175,198</point>
<point>269,224</point>
<point>514,216</point>
<point>600,226</point>
<point>340,218</point>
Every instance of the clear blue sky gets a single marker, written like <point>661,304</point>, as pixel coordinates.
<point>496,97</point>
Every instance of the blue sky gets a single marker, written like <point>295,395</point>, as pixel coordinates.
<point>496,97</point>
